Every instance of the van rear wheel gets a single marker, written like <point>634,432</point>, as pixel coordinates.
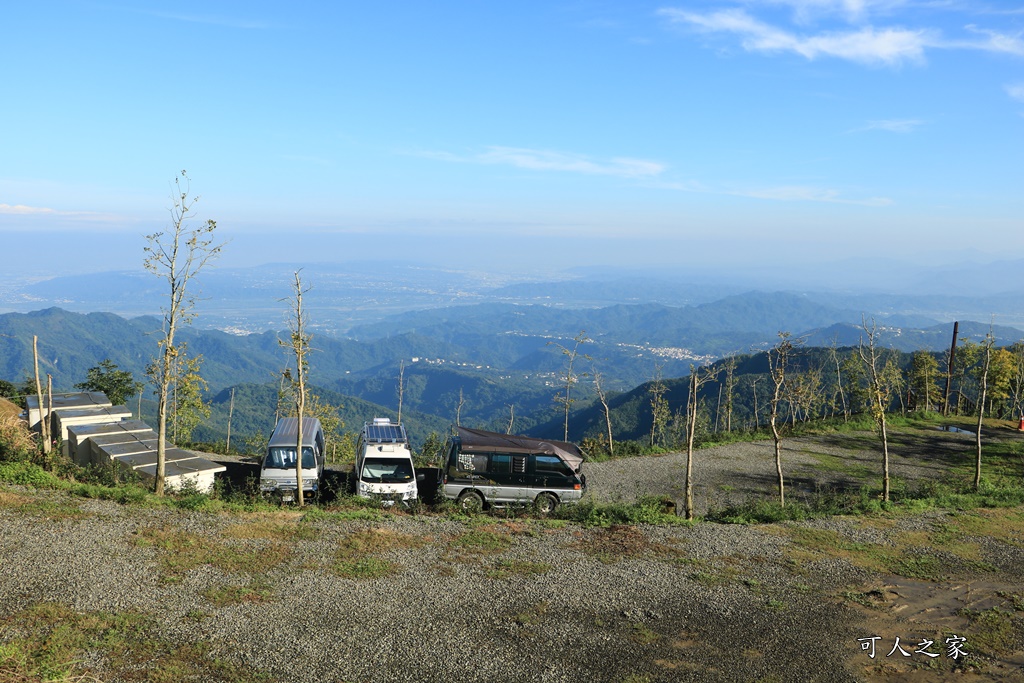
<point>545,503</point>
<point>470,501</point>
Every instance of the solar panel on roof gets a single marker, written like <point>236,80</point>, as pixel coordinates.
<point>385,433</point>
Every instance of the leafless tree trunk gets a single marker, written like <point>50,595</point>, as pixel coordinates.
<point>176,257</point>
<point>603,397</point>
<point>298,344</point>
<point>777,365</point>
<point>757,418</point>
<point>949,370</point>
<point>49,409</point>
<point>697,380</point>
<point>879,397</point>
<point>458,409</point>
<point>231,411</point>
<point>511,417</point>
<point>986,362</point>
<point>570,377</point>
<point>44,413</point>
<point>401,387</point>
<point>839,381</point>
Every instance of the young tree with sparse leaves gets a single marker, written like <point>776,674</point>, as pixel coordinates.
<point>176,257</point>
<point>298,344</point>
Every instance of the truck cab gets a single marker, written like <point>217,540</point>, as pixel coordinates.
<point>384,468</point>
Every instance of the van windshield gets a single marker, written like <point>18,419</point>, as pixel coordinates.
<point>280,458</point>
<point>380,470</point>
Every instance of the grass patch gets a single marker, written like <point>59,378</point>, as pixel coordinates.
<point>53,509</point>
<point>50,642</point>
<point>533,616</point>
<point>356,558</point>
<point>506,569</point>
<point>181,551</point>
<point>486,541</point>
<point>223,596</point>
<point>648,510</point>
<point>623,542</point>
<point>994,632</point>
<point>273,527</point>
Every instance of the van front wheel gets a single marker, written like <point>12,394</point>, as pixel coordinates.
<point>545,503</point>
<point>470,501</point>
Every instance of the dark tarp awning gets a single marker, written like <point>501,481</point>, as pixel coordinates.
<point>480,441</point>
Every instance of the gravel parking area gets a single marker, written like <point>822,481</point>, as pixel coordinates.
<point>492,599</point>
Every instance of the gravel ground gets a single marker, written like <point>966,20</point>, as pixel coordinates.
<point>551,602</point>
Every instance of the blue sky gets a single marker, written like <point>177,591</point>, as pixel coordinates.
<point>548,133</point>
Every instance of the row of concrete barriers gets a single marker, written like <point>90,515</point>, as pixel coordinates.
<point>95,432</point>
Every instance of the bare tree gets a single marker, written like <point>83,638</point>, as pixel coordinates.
<point>511,417</point>
<point>401,387</point>
<point>176,257</point>
<point>983,379</point>
<point>44,410</point>
<point>458,408</point>
<point>697,380</point>
<point>299,344</point>
<point>879,395</point>
<point>660,412</point>
<point>570,377</point>
<point>834,354</point>
<point>231,412</point>
<point>602,396</point>
<point>778,362</point>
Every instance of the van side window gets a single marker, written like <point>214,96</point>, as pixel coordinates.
<point>469,462</point>
<point>550,464</point>
<point>501,463</point>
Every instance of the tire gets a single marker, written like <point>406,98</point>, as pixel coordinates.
<point>545,503</point>
<point>470,501</point>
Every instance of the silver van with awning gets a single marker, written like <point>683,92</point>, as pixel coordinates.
<point>489,468</point>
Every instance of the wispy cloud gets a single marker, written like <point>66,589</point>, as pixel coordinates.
<point>547,160</point>
<point>890,47</point>
<point>1016,91</point>
<point>893,46</point>
<point>799,193</point>
<point>22,210</point>
<point>891,125</point>
<point>785,193</point>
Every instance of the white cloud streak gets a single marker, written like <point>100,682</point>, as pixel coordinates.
<point>22,210</point>
<point>798,193</point>
<point>1016,91</point>
<point>890,47</point>
<point>865,45</point>
<point>547,160</point>
<point>891,125</point>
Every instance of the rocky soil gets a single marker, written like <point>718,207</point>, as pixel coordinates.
<point>447,598</point>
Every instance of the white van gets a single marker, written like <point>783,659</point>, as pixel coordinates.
<point>278,474</point>
<point>384,468</point>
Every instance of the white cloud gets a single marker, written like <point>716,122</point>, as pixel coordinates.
<point>892,125</point>
<point>1016,91</point>
<point>547,160</point>
<point>866,45</point>
<point>993,42</point>
<point>22,210</point>
<point>799,193</point>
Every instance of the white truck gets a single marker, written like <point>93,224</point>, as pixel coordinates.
<point>384,468</point>
<point>279,472</point>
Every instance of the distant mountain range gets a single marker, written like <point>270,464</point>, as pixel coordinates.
<point>359,293</point>
<point>500,357</point>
